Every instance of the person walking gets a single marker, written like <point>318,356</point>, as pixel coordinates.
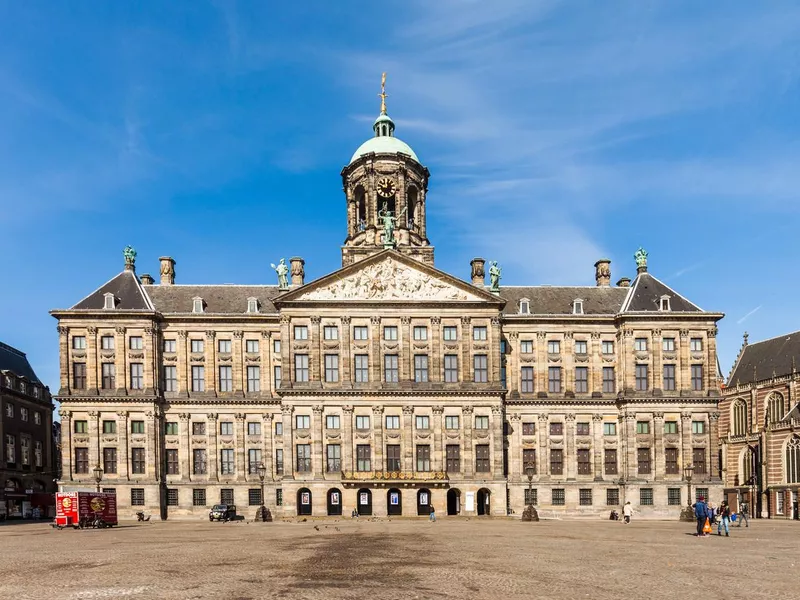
<point>627,512</point>
<point>432,515</point>
<point>743,510</point>
<point>724,518</point>
<point>701,514</point>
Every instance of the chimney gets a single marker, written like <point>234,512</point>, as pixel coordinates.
<point>602,272</point>
<point>478,272</point>
<point>624,282</point>
<point>167,270</point>
<point>146,279</point>
<point>297,270</point>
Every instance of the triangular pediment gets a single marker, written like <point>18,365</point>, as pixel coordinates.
<point>390,276</point>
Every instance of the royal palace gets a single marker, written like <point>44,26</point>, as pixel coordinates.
<point>389,387</point>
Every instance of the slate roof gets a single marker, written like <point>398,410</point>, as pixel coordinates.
<point>15,361</point>
<point>218,299</point>
<point>126,289</point>
<point>646,292</point>
<point>760,360</point>
<point>557,300</point>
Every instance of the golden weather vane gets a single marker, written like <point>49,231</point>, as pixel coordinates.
<point>383,94</point>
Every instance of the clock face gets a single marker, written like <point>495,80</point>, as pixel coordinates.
<point>386,187</point>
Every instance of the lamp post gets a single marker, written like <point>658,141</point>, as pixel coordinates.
<point>530,471</point>
<point>98,476</point>
<point>687,514</point>
<point>262,473</point>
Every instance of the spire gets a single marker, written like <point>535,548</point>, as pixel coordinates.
<point>383,95</point>
<point>383,126</point>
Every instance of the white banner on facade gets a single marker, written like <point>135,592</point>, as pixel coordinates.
<point>470,501</point>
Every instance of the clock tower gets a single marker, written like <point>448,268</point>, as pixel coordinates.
<point>385,186</point>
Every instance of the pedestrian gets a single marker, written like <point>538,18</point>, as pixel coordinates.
<point>701,514</point>
<point>724,518</point>
<point>432,515</point>
<point>712,514</point>
<point>627,512</point>
<point>743,510</point>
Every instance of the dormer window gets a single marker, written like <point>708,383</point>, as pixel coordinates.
<point>252,305</point>
<point>524,306</point>
<point>664,303</point>
<point>197,305</point>
<point>109,301</point>
<point>577,306</point>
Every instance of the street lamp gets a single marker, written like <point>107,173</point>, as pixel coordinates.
<point>530,471</point>
<point>261,469</point>
<point>687,475</point>
<point>98,476</point>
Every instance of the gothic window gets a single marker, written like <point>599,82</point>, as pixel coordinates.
<point>793,460</point>
<point>775,407</point>
<point>739,417</point>
<point>747,470</point>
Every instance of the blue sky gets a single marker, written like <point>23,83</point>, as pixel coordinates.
<point>555,133</point>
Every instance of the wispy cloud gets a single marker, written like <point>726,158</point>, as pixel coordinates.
<point>749,314</point>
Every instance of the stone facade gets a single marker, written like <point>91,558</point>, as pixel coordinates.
<point>390,386</point>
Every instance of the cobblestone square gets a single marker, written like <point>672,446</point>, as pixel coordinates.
<point>477,558</point>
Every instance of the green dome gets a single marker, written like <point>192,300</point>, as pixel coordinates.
<point>384,144</point>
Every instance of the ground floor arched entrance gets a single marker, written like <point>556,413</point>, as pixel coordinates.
<point>364,502</point>
<point>334,502</point>
<point>484,499</point>
<point>424,502</point>
<point>453,501</point>
<point>304,502</point>
<point>394,502</point>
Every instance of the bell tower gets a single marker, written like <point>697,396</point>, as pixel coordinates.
<point>385,187</point>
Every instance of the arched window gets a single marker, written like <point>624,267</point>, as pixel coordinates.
<point>775,407</point>
<point>412,214</point>
<point>361,209</point>
<point>524,306</point>
<point>739,417</point>
<point>793,460</point>
<point>748,462</point>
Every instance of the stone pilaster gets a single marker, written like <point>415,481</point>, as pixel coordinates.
<point>713,422</point>
<point>288,440</point>
<point>184,367</point>
<point>65,379</point>
<point>66,445</point>
<point>515,463</point>
<point>240,446</point>
<point>347,439</point>
<point>239,372</point>
<point>468,460</point>
<point>436,371</point>
<point>376,360</point>
<point>627,377</point>
<point>631,471</point>
<point>408,439</point>
<point>595,365</point>
<point>265,361</point>
<point>683,369</point>
<point>318,435</point>
<point>540,370</point>
<point>212,454</point>
<point>438,449</point>
<point>658,434</point>
<point>497,440</point>
<point>211,362</point>
<point>287,366</point>
<point>597,445</point>
<point>568,372</point>
<point>544,462</point>
<point>124,450</point>
<point>513,369</point>
<point>92,363</point>
<point>152,455</point>
<point>657,364</point>
<point>710,372</point>
<point>570,456</point>
<point>377,428</point>
<point>465,372</point>
<point>346,358</point>
<point>315,352</point>
<point>120,362</point>
<point>686,438</point>
<point>267,431</point>
<point>406,354</point>
<point>495,337</point>
<point>185,446</point>
<point>94,439</point>
<point>151,353</point>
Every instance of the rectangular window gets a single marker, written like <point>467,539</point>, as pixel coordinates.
<point>451,422</point>
<point>581,380</point>
<point>334,452</point>
<point>279,497</point>
<point>137,376</point>
<point>110,460</point>
<point>698,427</point>
<point>482,459</point>
<point>531,496</point>
<point>580,347</point>
<point>332,422</point>
<point>360,332</point>
<point>526,347</point>
<point>332,368</point>
<point>198,428</point>
<point>612,496</point>
<point>253,379</point>
<point>198,378</point>
<point>253,428</point>
<point>556,462</point>
<point>137,496</point>
<point>109,427</point>
<point>451,368</point>
<point>362,422</point>
<point>302,422</point>
<point>137,426</point>
<point>198,497</point>
<point>450,333</point>
<point>559,497</point>
<point>78,342</point>
<point>582,429</point>
<point>278,428</point>
<point>276,375</point>
<point>392,422</point>
<point>696,344</point>
<point>276,347</point>
<point>584,462</point>
<point>226,428</point>
<point>170,378</point>
<point>479,333</point>
<point>363,457</point>
<point>300,332</point>
<point>669,378</point>
<point>38,456</point>
<point>779,501</point>
<point>480,363</point>
<point>107,342</point>
<point>138,464</point>
<point>170,346</point>
<point>608,347</point>
<point>585,497</point>
<point>554,347</point>
<point>556,428</point>
<point>423,422</point>
<point>699,460</point>
<point>226,461</point>
<point>361,368</point>
<point>226,379</point>
<point>421,368</point>
<point>609,380</point>
<point>253,460</point>
<point>671,461</point>
<point>330,332</point>
<point>420,333</point>
<point>171,428</point>
<point>673,496</point>
<point>77,427</point>
<point>226,496</point>
<point>642,427</point>
<point>668,345</point>
<point>109,372</point>
<point>11,457</point>
<point>390,333</point>
<point>697,377</point>
<point>481,422</point>
<point>529,428</point>
<point>279,461</point>
<point>554,379</point>
<point>610,461</point>
<point>37,418</point>
<point>643,460</point>
<point>641,378</point>
<point>172,461</point>
<point>700,493</point>
<point>199,466</point>
<point>670,427</point>
<point>254,496</point>
<point>23,414</point>
<point>646,496</point>
<point>251,346</point>
<point>453,458</point>
<point>224,346</point>
<point>640,344</point>
<point>526,381</point>
<point>528,460</point>
<point>609,429</point>
<point>301,368</point>
<point>393,457</point>
<point>197,346</point>
<point>304,458</point>
<point>390,372</point>
<point>79,376</point>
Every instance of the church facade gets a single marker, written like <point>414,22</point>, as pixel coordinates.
<point>389,387</point>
